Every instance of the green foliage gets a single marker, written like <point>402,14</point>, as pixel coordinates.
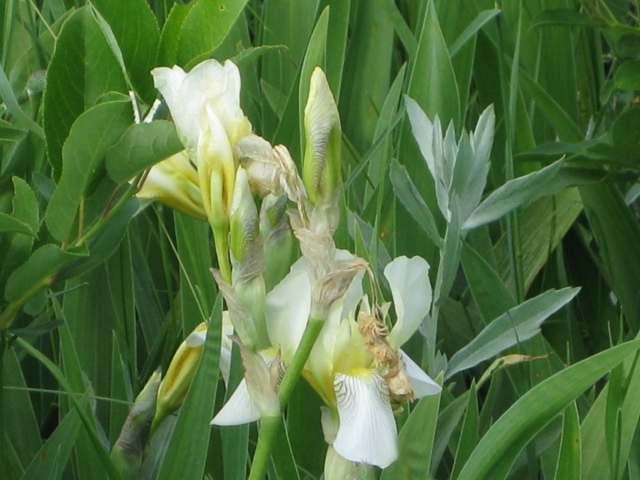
<point>527,213</point>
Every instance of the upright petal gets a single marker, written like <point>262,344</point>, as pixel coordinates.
<point>411,291</point>
<point>367,432</point>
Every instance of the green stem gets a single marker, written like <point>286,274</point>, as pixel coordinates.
<point>269,425</point>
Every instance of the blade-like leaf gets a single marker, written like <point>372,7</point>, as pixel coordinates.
<point>499,447</point>
<point>517,325</point>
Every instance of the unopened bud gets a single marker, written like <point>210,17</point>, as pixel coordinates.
<point>322,156</point>
<point>177,380</point>
<point>128,449</point>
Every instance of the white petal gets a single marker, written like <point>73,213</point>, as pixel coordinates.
<point>287,309</point>
<point>367,432</point>
<point>238,410</point>
<point>411,290</point>
<point>422,383</point>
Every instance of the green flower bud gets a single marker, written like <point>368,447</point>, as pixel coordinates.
<point>127,451</point>
<point>322,156</point>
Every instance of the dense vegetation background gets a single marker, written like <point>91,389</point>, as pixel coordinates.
<point>95,295</point>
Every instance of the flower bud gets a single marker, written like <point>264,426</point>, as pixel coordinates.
<point>177,379</point>
<point>322,156</point>
<point>127,451</point>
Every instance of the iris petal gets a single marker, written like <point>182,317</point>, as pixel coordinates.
<point>423,385</point>
<point>367,432</point>
<point>239,409</point>
<point>411,290</point>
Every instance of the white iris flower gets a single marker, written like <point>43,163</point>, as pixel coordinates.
<point>344,366</point>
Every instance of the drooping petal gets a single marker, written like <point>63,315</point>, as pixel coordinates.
<point>367,432</point>
<point>411,291</point>
<point>239,409</point>
<point>423,385</point>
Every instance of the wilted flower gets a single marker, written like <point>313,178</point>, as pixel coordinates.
<point>357,367</point>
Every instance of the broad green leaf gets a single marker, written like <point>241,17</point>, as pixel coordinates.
<point>81,70</point>
<point>415,442</point>
<point>205,27</point>
<point>187,451</point>
<point>500,446</point>
<point>135,30</point>
<point>9,224</point>
<point>140,147</point>
<point>627,76</point>
<point>170,35</point>
<point>515,326</point>
<point>92,134</point>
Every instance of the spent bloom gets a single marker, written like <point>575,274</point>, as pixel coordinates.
<point>356,365</point>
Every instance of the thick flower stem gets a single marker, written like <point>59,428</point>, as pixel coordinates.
<point>269,425</point>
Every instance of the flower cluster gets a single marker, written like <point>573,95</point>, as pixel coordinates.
<point>353,360</point>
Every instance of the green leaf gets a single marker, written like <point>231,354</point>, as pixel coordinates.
<point>515,326</point>
<point>8,224</point>
<point>407,193</point>
<point>500,446</point>
<point>81,70</point>
<point>626,137</point>
<point>205,27</point>
<point>524,190</point>
<point>469,435</point>
<point>490,294</point>
<point>135,29</point>
<point>50,462</point>
<point>36,272</point>
<point>140,147</point>
<point>432,81</point>
<point>170,35</point>
<point>617,234</point>
<point>566,16</point>
<point>472,29</point>
<point>568,466</point>
<point>11,103</point>
<point>415,442</point>
<point>187,451</point>
<point>92,134</point>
